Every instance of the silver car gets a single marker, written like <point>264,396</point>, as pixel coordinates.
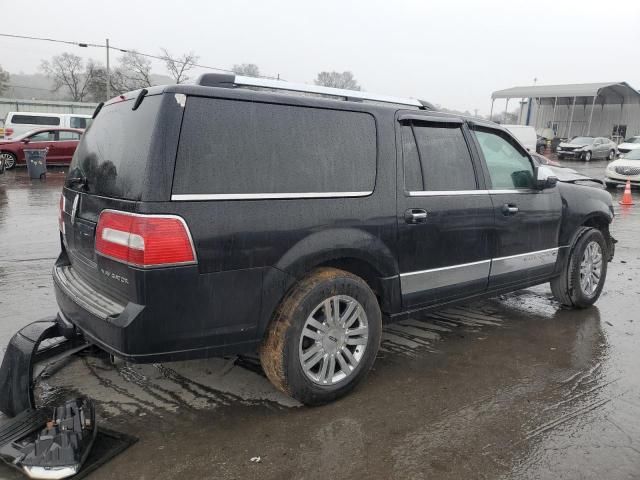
<point>586,148</point>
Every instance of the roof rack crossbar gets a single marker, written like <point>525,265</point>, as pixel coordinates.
<point>226,80</point>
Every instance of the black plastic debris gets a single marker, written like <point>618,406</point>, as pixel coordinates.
<point>60,448</point>
<point>28,355</point>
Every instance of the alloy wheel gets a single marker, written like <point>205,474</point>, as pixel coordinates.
<point>591,268</point>
<point>9,160</point>
<point>334,339</point>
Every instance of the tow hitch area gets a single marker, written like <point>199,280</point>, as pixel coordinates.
<point>50,443</point>
<point>36,349</point>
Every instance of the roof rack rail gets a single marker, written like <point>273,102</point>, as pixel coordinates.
<point>227,80</point>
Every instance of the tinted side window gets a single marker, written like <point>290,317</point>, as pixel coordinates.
<point>236,147</point>
<point>509,167</point>
<point>78,122</point>
<point>442,161</point>
<point>67,135</point>
<point>34,120</point>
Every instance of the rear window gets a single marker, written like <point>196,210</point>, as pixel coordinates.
<point>235,148</point>
<point>114,150</point>
<point>78,122</point>
<point>34,120</point>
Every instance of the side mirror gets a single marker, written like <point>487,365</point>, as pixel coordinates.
<point>25,141</point>
<point>545,178</point>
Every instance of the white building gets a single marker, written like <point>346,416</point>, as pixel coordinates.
<point>609,109</point>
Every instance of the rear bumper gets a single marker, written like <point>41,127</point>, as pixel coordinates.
<point>137,333</point>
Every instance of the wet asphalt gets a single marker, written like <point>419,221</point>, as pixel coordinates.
<point>511,387</point>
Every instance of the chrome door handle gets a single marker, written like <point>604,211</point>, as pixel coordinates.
<point>415,215</point>
<point>509,209</point>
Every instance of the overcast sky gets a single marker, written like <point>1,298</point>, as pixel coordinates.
<point>454,53</point>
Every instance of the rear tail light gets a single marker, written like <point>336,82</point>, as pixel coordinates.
<point>144,240</point>
<point>61,213</point>
<point>8,132</point>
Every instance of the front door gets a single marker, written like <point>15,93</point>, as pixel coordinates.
<point>445,215</point>
<point>527,220</point>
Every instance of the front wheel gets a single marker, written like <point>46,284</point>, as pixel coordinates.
<point>323,338</point>
<point>612,155</point>
<point>587,156</point>
<point>580,283</point>
<point>9,160</point>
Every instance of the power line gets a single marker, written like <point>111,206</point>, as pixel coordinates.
<point>123,50</point>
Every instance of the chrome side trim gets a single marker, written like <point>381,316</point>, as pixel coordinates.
<point>422,280</point>
<point>412,282</point>
<point>524,261</point>
<point>183,197</point>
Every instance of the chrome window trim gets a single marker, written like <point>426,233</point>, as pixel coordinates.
<point>439,193</point>
<point>183,197</point>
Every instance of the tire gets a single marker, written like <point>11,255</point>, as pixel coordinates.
<point>9,160</point>
<point>611,156</point>
<point>288,341</point>
<point>611,185</point>
<point>587,156</point>
<point>560,157</point>
<point>569,288</point>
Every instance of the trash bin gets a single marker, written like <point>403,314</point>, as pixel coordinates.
<point>36,162</point>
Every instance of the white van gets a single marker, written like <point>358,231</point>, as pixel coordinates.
<point>17,123</point>
<point>525,134</point>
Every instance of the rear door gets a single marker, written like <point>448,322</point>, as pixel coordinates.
<point>67,143</point>
<point>445,216</point>
<point>527,221</point>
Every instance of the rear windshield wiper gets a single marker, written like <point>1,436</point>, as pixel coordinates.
<point>78,180</point>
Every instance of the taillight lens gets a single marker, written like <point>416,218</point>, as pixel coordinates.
<point>144,240</point>
<point>8,132</point>
<point>61,213</point>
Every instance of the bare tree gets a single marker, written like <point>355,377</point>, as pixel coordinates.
<point>246,69</point>
<point>134,72</point>
<point>69,71</point>
<point>179,66</point>
<point>4,80</point>
<point>344,80</point>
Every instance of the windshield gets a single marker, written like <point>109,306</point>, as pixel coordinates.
<point>111,159</point>
<point>632,140</point>
<point>632,155</point>
<point>582,140</point>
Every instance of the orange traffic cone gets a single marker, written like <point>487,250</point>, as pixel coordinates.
<point>627,199</point>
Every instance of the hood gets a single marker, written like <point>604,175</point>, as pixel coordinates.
<point>568,175</point>
<point>572,145</point>
<point>630,146</point>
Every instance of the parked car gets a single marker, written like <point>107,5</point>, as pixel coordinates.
<point>586,148</point>
<point>627,167</point>
<point>201,220</point>
<point>61,142</point>
<point>629,144</point>
<point>526,135</point>
<point>18,123</point>
<point>541,144</point>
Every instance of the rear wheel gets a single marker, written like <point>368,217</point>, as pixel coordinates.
<point>582,280</point>
<point>324,337</point>
<point>9,160</point>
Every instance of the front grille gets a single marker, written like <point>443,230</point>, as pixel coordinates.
<point>628,171</point>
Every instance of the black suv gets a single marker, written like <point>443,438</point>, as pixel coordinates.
<point>208,219</point>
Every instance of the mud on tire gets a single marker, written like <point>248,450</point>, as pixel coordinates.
<point>287,338</point>
<point>567,287</point>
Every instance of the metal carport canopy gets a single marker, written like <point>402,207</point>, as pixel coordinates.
<point>606,92</point>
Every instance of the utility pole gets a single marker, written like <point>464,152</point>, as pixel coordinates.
<point>108,74</point>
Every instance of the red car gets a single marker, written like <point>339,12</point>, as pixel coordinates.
<point>62,142</point>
